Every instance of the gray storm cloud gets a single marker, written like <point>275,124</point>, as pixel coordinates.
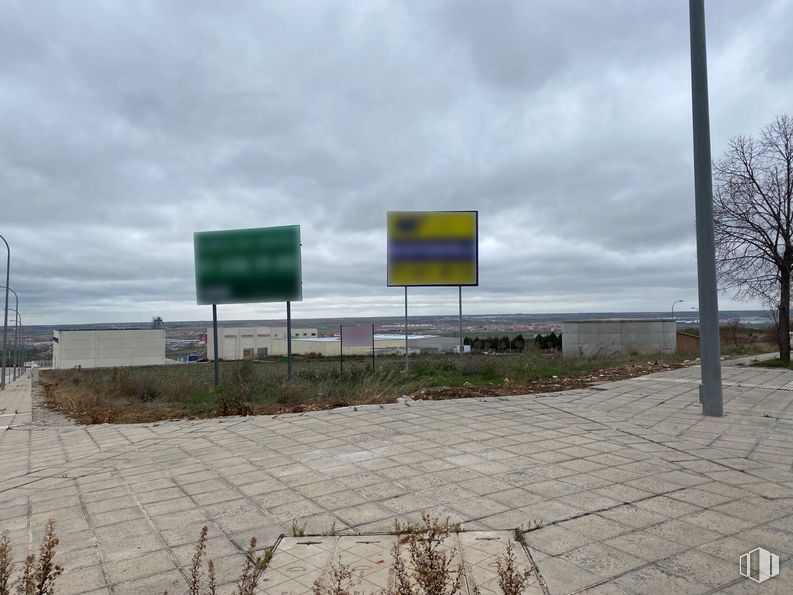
<point>127,127</point>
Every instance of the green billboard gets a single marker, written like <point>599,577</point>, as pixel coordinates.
<point>248,265</point>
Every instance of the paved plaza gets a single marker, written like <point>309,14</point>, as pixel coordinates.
<point>637,491</point>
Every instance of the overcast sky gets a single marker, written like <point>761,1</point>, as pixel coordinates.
<point>127,126</point>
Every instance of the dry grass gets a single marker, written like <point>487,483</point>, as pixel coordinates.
<point>38,574</point>
<point>131,395</point>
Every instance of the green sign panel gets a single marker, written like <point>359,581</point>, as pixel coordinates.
<point>248,265</point>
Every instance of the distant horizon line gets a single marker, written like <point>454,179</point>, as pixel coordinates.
<point>146,323</point>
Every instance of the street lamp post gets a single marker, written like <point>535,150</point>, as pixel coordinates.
<point>20,353</point>
<point>14,360</point>
<point>673,306</point>
<point>5,316</point>
<point>710,390</point>
<point>16,298</point>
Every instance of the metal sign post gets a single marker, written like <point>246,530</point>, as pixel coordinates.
<point>341,349</point>
<point>244,266</point>
<point>217,346</point>
<point>372,348</point>
<point>460,288</point>
<point>289,340</point>
<point>406,327</point>
<point>432,249</point>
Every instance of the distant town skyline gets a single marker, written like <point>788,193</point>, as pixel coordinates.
<point>566,125</point>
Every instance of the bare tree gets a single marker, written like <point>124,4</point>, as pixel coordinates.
<point>753,211</point>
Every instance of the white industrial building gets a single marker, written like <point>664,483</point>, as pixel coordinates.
<point>261,342</point>
<point>108,348</point>
<point>253,342</point>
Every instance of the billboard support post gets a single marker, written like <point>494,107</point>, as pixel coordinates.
<point>244,266</point>
<point>289,339</point>
<point>341,349</point>
<point>372,348</point>
<point>460,295</point>
<point>406,327</point>
<point>432,249</point>
<point>215,339</point>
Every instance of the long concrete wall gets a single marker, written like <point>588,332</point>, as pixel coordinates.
<point>587,338</point>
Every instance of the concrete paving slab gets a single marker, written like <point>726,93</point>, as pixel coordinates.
<point>300,562</point>
<point>16,406</point>
<point>629,468</point>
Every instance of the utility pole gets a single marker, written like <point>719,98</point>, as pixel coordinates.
<point>5,317</point>
<point>710,392</point>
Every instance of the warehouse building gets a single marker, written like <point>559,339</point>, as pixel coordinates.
<point>254,342</point>
<point>261,342</point>
<point>107,348</point>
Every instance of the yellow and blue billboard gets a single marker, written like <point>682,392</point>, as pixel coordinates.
<point>431,248</point>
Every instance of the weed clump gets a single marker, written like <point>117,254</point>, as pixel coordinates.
<point>38,575</point>
<point>249,578</point>
<point>298,530</point>
<point>429,568</point>
<point>511,580</point>
<point>340,582</point>
<point>432,568</point>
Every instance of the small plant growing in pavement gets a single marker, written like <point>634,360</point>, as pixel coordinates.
<point>431,564</point>
<point>195,567</point>
<point>511,580</point>
<point>253,569</point>
<point>331,531</point>
<point>298,530</point>
<point>520,532</point>
<point>249,578</point>
<point>430,570</point>
<point>340,582</point>
<point>403,528</point>
<point>38,576</point>
<point>6,567</point>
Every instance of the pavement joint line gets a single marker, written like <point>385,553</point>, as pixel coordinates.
<point>151,524</point>
<point>692,548</point>
<point>608,508</point>
<point>95,541</point>
<point>630,433</point>
<point>536,567</point>
<point>59,471</point>
<point>240,548</point>
<point>650,378</point>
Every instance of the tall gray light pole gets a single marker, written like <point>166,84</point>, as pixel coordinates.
<point>16,298</point>
<point>710,394</point>
<point>5,317</point>
<point>20,345</point>
<point>17,350</point>
<point>676,302</point>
